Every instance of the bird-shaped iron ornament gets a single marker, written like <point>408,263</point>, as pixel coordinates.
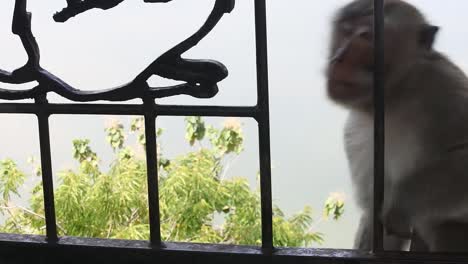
<point>200,77</point>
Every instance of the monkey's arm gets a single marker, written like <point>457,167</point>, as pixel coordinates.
<point>435,194</point>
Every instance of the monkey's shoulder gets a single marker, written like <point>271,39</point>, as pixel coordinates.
<point>437,70</point>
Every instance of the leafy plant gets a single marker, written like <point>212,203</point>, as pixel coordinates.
<point>334,206</point>
<point>197,203</point>
<point>11,178</point>
<point>115,135</point>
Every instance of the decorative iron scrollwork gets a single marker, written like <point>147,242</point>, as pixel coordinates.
<point>200,77</point>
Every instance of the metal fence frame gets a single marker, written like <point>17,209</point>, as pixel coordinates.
<point>51,248</point>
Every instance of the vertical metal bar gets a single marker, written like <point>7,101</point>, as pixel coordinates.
<point>152,172</point>
<point>46,166</point>
<point>379,125</point>
<point>263,119</point>
<point>418,244</point>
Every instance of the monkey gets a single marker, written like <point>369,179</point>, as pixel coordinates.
<point>426,126</point>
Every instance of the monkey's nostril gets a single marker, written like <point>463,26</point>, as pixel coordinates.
<point>335,59</point>
<point>366,35</point>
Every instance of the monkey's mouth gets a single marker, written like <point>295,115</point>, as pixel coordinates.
<point>341,88</point>
<point>340,83</point>
<point>345,90</point>
<point>349,82</point>
<point>338,80</point>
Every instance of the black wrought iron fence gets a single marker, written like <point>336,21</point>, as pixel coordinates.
<point>200,79</point>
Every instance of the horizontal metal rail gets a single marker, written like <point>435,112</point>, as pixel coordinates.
<point>128,109</point>
<point>36,249</point>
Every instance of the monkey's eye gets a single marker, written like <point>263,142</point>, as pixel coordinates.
<point>366,35</point>
<point>346,28</point>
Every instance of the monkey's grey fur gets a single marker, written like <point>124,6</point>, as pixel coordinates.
<point>426,143</point>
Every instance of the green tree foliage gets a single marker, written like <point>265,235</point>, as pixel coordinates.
<point>11,178</point>
<point>198,204</point>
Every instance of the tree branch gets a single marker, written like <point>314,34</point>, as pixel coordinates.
<point>8,208</point>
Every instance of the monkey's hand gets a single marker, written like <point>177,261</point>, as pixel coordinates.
<point>397,222</point>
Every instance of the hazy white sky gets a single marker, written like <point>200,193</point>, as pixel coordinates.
<point>101,49</point>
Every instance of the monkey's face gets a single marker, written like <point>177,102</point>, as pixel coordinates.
<point>351,64</point>
<point>350,69</point>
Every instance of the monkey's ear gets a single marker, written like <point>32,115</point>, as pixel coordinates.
<point>427,36</point>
